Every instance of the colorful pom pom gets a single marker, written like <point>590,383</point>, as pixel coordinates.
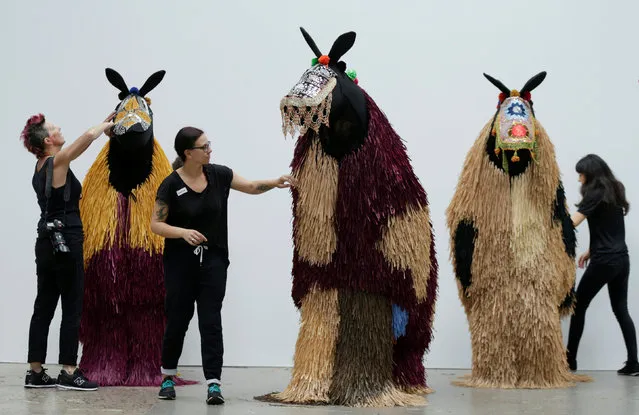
<point>526,96</point>
<point>314,61</point>
<point>351,74</point>
<point>134,90</point>
<point>324,60</point>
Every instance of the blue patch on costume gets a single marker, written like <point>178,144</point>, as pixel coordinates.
<point>400,321</point>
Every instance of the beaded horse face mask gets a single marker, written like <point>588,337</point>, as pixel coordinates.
<point>326,93</point>
<point>513,127</point>
<point>133,122</point>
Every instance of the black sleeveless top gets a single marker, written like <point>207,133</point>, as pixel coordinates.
<point>72,221</point>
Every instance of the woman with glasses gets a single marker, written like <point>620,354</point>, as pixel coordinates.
<point>191,214</point>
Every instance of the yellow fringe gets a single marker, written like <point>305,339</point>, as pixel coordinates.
<point>98,207</point>
<point>141,210</point>
<point>99,203</point>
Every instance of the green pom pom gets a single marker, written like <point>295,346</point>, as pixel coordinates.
<point>314,61</point>
<point>351,73</point>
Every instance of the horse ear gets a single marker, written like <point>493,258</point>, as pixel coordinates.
<point>152,82</point>
<point>498,84</point>
<point>534,82</point>
<point>311,42</point>
<point>116,80</point>
<point>342,45</point>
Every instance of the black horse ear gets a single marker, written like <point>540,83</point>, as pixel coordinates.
<point>311,42</point>
<point>498,84</point>
<point>152,82</point>
<point>534,82</point>
<point>117,81</point>
<point>341,45</point>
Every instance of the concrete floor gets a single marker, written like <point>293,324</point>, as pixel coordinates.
<point>609,394</point>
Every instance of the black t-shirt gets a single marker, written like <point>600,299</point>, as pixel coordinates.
<point>606,225</point>
<point>72,221</point>
<point>206,212</point>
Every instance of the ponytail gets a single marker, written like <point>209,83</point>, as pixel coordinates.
<point>177,163</point>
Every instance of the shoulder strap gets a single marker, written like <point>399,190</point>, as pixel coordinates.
<point>49,185</point>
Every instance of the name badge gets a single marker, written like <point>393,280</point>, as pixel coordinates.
<point>181,191</point>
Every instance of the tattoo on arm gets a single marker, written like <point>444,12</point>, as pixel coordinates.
<point>263,187</point>
<point>161,211</point>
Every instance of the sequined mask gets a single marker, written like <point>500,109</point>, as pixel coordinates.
<point>308,103</point>
<point>132,114</point>
<point>514,127</point>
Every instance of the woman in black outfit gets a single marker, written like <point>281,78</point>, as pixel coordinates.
<point>604,205</point>
<point>191,213</point>
<point>59,258</point>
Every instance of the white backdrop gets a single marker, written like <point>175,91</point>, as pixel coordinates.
<point>229,63</point>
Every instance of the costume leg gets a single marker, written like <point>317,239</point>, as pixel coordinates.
<point>104,347</point>
<point>145,327</point>
<point>541,356</point>
<point>492,340</point>
<point>408,353</point>
<point>363,373</point>
<point>314,351</point>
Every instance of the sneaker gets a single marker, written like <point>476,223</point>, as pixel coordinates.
<point>77,381</point>
<point>39,380</point>
<point>167,390</point>
<point>214,395</point>
<point>630,369</point>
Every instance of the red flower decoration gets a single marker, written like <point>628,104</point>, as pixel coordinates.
<point>519,131</point>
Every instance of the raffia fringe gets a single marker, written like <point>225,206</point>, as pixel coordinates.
<point>315,236</point>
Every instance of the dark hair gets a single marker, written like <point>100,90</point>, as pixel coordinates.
<point>33,135</point>
<point>185,140</point>
<point>598,176</point>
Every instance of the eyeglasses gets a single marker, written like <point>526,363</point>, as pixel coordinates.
<point>205,147</point>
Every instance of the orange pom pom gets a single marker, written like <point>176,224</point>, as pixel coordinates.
<point>324,60</point>
<point>148,100</point>
<point>515,159</point>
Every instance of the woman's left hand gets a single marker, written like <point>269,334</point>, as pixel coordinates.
<point>284,181</point>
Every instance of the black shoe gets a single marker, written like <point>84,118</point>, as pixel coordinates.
<point>39,380</point>
<point>167,390</point>
<point>214,395</point>
<point>76,381</point>
<point>630,369</point>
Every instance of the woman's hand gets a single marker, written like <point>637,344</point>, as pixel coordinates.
<point>103,127</point>
<point>284,181</point>
<point>193,237</point>
<point>583,259</point>
<point>257,187</point>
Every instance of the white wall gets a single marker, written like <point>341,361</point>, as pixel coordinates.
<point>229,63</point>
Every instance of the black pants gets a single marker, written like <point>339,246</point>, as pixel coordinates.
<point>60,275</point>
<point>614,273</point>
<point>188,282</point>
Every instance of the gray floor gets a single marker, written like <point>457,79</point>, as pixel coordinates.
<point>609,394</point>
